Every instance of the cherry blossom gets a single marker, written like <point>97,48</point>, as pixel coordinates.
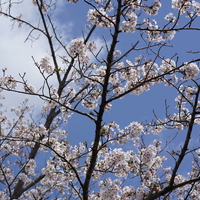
<point>133,4</point>
<point>184,6</point>
<point>100,18</point>
<point>45,65</point>
<point>129,25</point>
<point>78,48</point>
<point>153,9</point>
<point>196,7</point>
<point>171,18</point>
<point>191,70</point>
<point>167,65</point>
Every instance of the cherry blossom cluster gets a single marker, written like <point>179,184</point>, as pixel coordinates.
<point>117,53</point>
<point>196,7</point>
<point>112,132</point>
<point>133,4</point>
<point>129,25</point>
<point>19,20</point>
<point>28,134</point>
<point>4,120</point>
<point>171,18</point>
<point>122,163</point>
<point>155,35</point>
<point>181,192</point>
<point>176,4</point>
<point>153,9</point>
<point>24,133</point>
<point>128,76</point>
<point>134,129</point>
<point>133,75</point>
<point>183,5</point>
<point>100,18</point>
<point>79,49</point>
<point>115,190</point>
<point>8,82</point>
<point>191,70</point>
<point>117,160</point>
<point>45,65</point>
<point>90,102</point>
<point>130,73</point>
<point>186,94</point>
<point>62,153</point>
<point>65,111</point>
<point>29,88</point>
<point>167,65</point>
<point>109,189</point>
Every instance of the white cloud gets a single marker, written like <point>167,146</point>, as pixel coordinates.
<point>16,54</point>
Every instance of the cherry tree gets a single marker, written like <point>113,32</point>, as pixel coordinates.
<point>85,77</point>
